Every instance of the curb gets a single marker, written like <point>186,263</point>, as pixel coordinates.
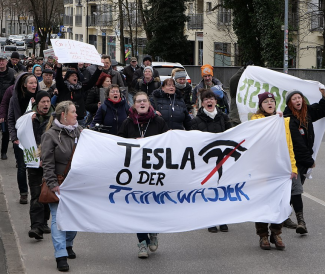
<point>13,259</point>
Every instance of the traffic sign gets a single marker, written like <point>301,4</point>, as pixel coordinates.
<point>59,34</point>
<point>36,39</point>
<point>33,28</point>
<point>36,34</point>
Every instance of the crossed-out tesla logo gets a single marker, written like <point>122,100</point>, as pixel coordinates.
<point>212,150</point>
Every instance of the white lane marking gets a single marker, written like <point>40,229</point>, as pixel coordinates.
<point>314,198</point>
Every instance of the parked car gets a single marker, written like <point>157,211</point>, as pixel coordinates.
<point>165,70</point>
<point>21,46</point>
<point>11,39</point>
<point>8,50</point>
<point>18,38</point>
<point>3,41</point>
<point>29,42</point>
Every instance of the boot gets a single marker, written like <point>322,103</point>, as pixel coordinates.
<point>288,223</point>
<point>301,227</point>
<point>62,264</point>
<point>35,233</point>
<point>71,254</point>
<point>277,240</point>
<point>143,250</point>
<point>264,243</point>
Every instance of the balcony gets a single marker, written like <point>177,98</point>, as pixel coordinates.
<point>66,2</point>
<point>196,21</point>
<point>317,21</point>
<point>68,20</point>
<point>104,20</point>
<point>78,20</point>
<point>92,20</point>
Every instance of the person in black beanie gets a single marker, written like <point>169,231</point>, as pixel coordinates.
<point>39,213</point>
<point>147,62</point>
<point>15,63</point>
<point>26,87</point>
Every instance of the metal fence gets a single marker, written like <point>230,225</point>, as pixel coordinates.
<point>224,74</point>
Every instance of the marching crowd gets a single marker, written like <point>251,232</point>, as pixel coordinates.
<point>132,103</point>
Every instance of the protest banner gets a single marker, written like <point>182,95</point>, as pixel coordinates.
<point>70,51</point>
<point>27,143</point>
<point>48,52</point>
<point>178,181</point>
<point>256,80</point>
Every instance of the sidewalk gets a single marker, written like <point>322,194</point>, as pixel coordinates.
<point>10,257</point>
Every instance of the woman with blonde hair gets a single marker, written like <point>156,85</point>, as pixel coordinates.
<point>57,147</point>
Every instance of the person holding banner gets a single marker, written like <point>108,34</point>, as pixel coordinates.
<point>71,88</point>
<point>112,112</point>
<point>143,122</point>
<point>26,88</point>
<point>267,108</point>
<point>57,146</point>
<point>211,119</point>
<point>302,117</point>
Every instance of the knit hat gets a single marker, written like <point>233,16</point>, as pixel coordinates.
<point>40,95</point>
<point>180,74</point>
<point>69,73</point>
<point>148,57</point>
<point>206,70</point>
<point>15,54</point>
<point>263,96</point>
<point>217,90</point>
<point>148,67</point>
<point>37,65</point>
<point>291,93</point>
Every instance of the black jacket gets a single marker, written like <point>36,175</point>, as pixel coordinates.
<point>186,94</point>
<point>93,98</point>
<point>156,126</point>
<point>205,123</point>
<point>128,72</point>
<point>303,137</point>
<point>147,87</point>
<point>7,78</point>
<point>172,108</point>
<point>18,68</point>
<point>139,73</point>
<point>76,96</point>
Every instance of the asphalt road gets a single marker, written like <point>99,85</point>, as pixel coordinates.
<point>190,252</point>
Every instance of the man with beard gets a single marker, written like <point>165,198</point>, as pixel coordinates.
<point>39,213</point>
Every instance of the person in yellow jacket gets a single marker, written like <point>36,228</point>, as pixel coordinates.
<point>267,108</point>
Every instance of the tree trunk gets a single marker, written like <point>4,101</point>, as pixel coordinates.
<point>122,46</point>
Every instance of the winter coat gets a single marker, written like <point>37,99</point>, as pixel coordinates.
<point>288,138</point>
<point>157,125</point>
<point>7,78</point>
<point>17,68</point>
<point>147,87</point>
<point>139,74</point>
<point>116,76</point>
<point>196,90</point>
<point>4,106</point>
<point>203,122</point>
<point>177,118</point>
<point>112,115</point>
<point>76,96</point>
<point>93,98</point>
<point>56,148</point>
<point>302,137</point>
<point>186,94</point>
<point>128,72</point>
<point>40,122</point>
<point>15,110</point>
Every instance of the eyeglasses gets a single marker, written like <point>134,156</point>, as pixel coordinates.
<point>141,100</point>
<point>268,101</point>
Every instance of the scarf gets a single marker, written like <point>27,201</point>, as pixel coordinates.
<point>210,114</point>
<point>72,87</point>
<point>141,118</point>
<point>115,102</point>
<point>68,128</point>
<point>180,86</point>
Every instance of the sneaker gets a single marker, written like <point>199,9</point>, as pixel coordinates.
<point>264,243</point>
<point>277,240</point>
<point>224,228</point>
<point>153,246</point>
<point>213,229</point>
<point>46,229</point>
<point>35,233</point>
<point>143,250</point>
<point>23,199</point>
<point>4,156</point>
<point>288,223</point>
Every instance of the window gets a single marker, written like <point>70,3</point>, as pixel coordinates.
<point>105,17</point>
<point>222,54</point>
<point>111,46</point>
<point>209,6</point>
<point>191,8</point>
<point>224,15</point>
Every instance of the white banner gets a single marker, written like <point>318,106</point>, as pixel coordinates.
<point>70,51</point>
<point>27,143</point>
<point>256,80</point>
<point>178,181</point>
